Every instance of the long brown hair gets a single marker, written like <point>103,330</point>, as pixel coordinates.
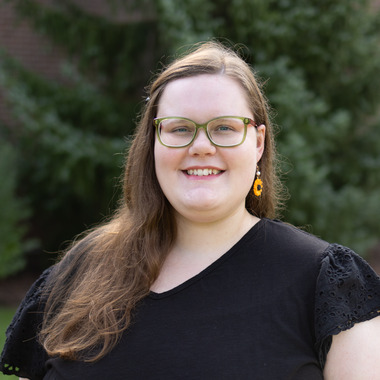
<point>94,290</point>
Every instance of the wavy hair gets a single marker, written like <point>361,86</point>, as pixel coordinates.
<point>93,292</point>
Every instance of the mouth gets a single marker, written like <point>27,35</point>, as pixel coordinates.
<point>203,172</point>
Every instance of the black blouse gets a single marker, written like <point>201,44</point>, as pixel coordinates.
<point>266,309</point>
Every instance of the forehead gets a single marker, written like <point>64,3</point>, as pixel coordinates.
<point>204,97</point>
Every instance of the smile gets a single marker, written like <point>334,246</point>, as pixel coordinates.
<point>203,172</point>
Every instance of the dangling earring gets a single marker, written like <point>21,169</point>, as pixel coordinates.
<point>258,184</point>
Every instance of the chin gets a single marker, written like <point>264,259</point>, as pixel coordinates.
<point>200,214</point>
<point>203,206</point>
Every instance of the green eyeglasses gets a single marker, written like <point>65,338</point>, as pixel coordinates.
<point>225,131</point>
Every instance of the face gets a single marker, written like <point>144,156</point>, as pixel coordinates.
<point>207,198</point>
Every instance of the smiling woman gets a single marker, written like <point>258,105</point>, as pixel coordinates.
<point>193,278</point>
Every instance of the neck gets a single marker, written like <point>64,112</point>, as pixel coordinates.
<point>212,238</point>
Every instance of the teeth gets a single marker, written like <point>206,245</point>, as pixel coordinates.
<point>202,172</point>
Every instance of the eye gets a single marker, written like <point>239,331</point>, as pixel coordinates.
<point>223,128</point>
<point>177,126</point>
<point>181,129</point>
<point>225,125</point>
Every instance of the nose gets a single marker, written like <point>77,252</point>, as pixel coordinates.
<point>201,144</point>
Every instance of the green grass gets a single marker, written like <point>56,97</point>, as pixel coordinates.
<point>6,315</point>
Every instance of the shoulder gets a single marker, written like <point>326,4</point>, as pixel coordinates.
<point>292,242</point>
<point>280,251</point>
<point>346,288</point>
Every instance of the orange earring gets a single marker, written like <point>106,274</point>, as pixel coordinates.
<point>258,184</point>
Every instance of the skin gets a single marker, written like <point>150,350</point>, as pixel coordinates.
<point>209,209</point>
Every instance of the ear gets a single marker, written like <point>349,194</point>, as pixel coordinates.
<point>260,141</point>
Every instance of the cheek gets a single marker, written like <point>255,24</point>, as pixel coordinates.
<point>244,158</point>
<point>165,159</point>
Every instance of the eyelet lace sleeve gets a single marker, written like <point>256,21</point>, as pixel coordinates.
<point>22,355</point>
<point>347,292</point>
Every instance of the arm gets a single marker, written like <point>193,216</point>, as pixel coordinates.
<point>355,353</point>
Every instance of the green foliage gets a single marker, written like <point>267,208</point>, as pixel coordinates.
<point>13,212</point>
<point>109,53</point>
<point>66,170</point>
<point>186,22</point>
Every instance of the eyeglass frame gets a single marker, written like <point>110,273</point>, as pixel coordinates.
<point>246,121</point>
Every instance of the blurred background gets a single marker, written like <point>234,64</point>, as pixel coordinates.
<point>72,82</point>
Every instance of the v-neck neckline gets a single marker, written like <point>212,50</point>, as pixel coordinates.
<point>211,267</point>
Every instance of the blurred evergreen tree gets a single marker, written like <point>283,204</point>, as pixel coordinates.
<point>319,61</point>
<point>13,211</point>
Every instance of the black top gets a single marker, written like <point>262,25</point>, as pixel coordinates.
<point>264,310</point>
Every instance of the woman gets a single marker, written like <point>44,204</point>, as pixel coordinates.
<point>192,279</point>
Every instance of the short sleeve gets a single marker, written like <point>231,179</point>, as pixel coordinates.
<point>347,292</point>
<point>22,355</point>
